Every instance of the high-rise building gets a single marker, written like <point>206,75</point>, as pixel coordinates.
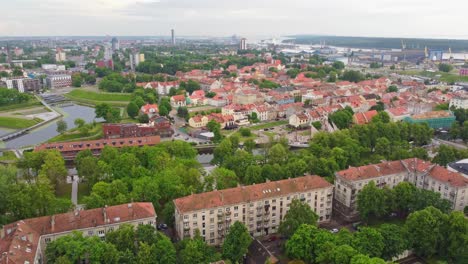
<point>135,59</point>
<point>115,44</point>
<point>173,37</point>
<point>60,55</point>
<point>243,44</point>
<point>261,207</point>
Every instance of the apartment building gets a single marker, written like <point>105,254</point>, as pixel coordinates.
<point>58,80</point>
<point>25,241</point>
<point>261,207</point>
<point>423,174</point>
<point>22,84</point>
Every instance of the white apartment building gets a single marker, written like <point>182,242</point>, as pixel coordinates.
<point>261,207</point>
<point>25,241</point>
<point>423,174</point>
<point>459,102</point>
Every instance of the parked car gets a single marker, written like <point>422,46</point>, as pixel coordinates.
<point>162,227</point>
<point>335,230</point>
<point>272,238</point>
<point>357,225</point>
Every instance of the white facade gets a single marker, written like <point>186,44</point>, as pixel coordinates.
<point>459,102</point>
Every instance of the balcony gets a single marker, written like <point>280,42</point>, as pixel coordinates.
<point>220,228</point>
<point>186,220</point>
<point>259,214</point>
<point>228,219</point>
<point>220,214</point>
<point>228,212</point>
<point>186,228</point>
<point>220,220</point>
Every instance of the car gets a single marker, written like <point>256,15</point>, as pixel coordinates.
<point>162,227</point>
<point>272,238</point>
<point>335,230</point>
<point>357,225</point>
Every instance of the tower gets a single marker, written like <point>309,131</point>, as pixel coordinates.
<point>243,44</point>
<point>173,42</point>
<point>115,44</point>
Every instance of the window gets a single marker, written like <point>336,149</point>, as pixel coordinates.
<point>186,216</point>
<point>203,218</point>
<point>203,225</point>
<point>273,201</point>
<point>101,232</point>
<point>111,229</point>
<point>194,215</point>
<point>90,232</point>
<point>212,234</point>
<point>288,198</point>
<point>211,220</point>
<point>236,215</point>
<point>211,211</point>
<point>236,208</point>
<point>47,239</point>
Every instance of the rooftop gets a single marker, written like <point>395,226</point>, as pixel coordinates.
<point>249,193</point>
<point>433,114</point>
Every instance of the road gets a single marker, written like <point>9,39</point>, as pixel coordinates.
<point>449,143</point>
<point>74,193</point>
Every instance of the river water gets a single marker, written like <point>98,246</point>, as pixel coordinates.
<point>49,131</point>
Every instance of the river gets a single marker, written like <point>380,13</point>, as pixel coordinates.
<point>49,131</point>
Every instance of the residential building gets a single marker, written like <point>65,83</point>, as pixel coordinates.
<point>69,150</point>
<point>435,119</point>
<point>261,207</point>
<point>198,121</point>
<point>299,120</point>
<point>60,55</point>
<point>460,166</point>
<point>162,87</point>
<point>463,72</point>
<point>128,130</point>
<point>459,102</point>
<point>58,80</point>
<point>364,118</point>
<point>25,241</point>
<point>150,110</point>
<point>178,101</point>
<point>22,84</point>
<point>398,113</point>
<point>423,174</point>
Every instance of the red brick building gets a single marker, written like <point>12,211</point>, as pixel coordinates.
<point>69,150</point>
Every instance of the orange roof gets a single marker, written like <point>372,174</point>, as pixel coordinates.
<point>409,165</point>
<point>178,98</point>
<point>249,193</point>
<point>21,238</point>
<point>364,118</point>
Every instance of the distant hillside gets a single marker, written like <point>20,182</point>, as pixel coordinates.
<point>382,43</point>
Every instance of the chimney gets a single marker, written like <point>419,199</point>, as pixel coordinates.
<point>104,213</point>
<point>52,222</point>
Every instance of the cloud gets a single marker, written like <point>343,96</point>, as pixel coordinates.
<point>418,18</point>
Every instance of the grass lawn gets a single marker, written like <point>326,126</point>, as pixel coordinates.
<point>243,139</point>
<point>75,135</point>
<point>64,191</point>
<point>18,123</point>
<point>390,220</point>
<point>90,97</point>
<point>8,155</point>
<point>269,125</point>
<point>32,103</point>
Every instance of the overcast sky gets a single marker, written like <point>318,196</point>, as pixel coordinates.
<point>386,18</point>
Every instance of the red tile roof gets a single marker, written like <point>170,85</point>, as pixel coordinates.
<point>364,118</point>
<point>21,239</point>
<point>249,193</point>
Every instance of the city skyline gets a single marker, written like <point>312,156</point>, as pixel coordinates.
<point>383,18</point>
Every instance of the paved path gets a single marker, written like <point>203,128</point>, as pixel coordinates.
<point>450,143</point>
<point>74,193</point>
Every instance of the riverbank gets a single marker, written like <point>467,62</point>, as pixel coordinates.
<point>18,123</point>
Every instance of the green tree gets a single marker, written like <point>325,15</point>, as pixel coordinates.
<point>343,254</point>
<point>299,213</point>
<point>371,201</point>
<point>61,126</point>
<point>122,238</point>
<point>395,240</point>
<point>455,238</point>
<point>79,122</point>
<point>196,251</point>
<point>182,112</point>
<point>163,111</point>
<point>237,242</point>
<point>364,259</point>
<point>54,167</point>
<point>215,127</point>
<point>404,197</point>
<point>77,80</point>
<point>88,170</point>
<point>342,118</point>
<point>300,245</point>
<point>132,109</point>
<point>369,241</point>
<point>339,65</point>
<point>224,178</point>
<point>443,67</point>
<point>425,229</point>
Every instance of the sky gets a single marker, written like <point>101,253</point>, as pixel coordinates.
<point>379,18</point>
